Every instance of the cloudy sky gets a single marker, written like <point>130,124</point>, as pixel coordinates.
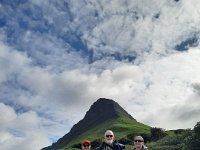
<point>58,57</point>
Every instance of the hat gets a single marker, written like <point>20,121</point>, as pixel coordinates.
<point>86,142</point>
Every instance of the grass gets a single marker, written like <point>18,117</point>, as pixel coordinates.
<point>121,127</point>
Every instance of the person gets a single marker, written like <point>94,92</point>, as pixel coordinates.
<point>86,145</point>
<point>110,143</point>
<point>139,143</point>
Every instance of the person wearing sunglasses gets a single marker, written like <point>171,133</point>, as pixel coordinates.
<point>139,143</point>
<point>86,145</point>
<point>110,143</point>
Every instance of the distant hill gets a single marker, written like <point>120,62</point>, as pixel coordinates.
<point>103,114</point>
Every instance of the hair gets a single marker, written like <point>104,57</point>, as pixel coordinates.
<point>139,137</point>
<point>109,132</point>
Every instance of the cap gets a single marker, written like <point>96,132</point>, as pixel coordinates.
<point>86,142</point>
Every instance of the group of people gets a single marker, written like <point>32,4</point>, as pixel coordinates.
<point>110,143</point>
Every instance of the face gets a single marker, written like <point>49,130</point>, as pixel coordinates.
<point>86,146</point>
<point>138,142</point>
<point>109,138</point>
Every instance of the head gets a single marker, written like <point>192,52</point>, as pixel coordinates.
<point>109,137</point>
<point>138,142</point>
<point>86,145</point>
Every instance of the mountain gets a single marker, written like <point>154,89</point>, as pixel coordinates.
<point>103,114</point>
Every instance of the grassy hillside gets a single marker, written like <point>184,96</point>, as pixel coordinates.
<point>106,114</point>
<point>121,126</point>
<point>174,139</point>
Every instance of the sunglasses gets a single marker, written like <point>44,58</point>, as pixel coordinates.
<point>86,145</point>
<point>109,136</point>
<point>138,141</point>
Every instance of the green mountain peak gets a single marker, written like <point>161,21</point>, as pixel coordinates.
<point>103,114</point>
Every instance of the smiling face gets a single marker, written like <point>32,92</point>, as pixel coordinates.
<point>86,146</point>
<point>109,137</point>
<point>138,142</point>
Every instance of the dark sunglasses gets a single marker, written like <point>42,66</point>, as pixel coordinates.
<point>138,141</point>
<point>86,145</point>
<point>109,136</point>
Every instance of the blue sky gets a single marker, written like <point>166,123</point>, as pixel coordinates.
<point>58,57</point>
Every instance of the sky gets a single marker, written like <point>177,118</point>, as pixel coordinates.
<point>58,57</point>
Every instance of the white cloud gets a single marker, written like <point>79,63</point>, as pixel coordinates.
<point>130,27</point>
<point>170,85</point>
<point>8,65</point>
<point>7,115</point>
<point>43,73</point>
<point>149,88</point>
<point>20,130</point>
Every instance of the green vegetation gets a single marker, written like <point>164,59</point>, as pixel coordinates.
<point>181,139</point>
<point>178,140</point>
<point>107,114</point>
<point>121,126</point>
<point>171,142</point>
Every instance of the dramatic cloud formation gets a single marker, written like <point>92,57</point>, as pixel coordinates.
<point>57,57</point>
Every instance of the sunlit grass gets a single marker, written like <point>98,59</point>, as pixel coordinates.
<point>121,127</point>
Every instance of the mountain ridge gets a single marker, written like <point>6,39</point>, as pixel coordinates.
<point>101,112</point>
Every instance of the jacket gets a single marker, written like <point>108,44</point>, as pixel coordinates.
<point>115,146</point>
